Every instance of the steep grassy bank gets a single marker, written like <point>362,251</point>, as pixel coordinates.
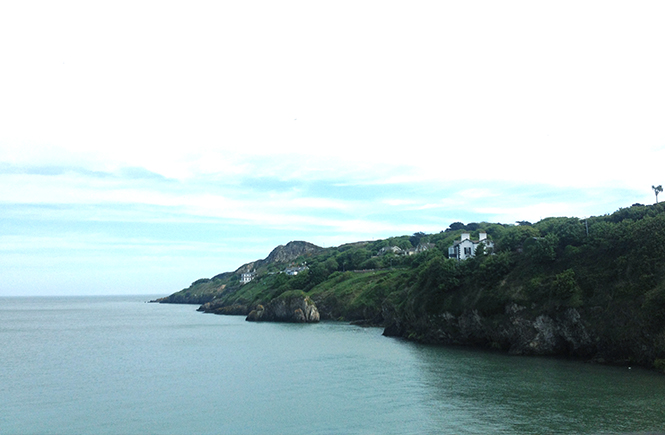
<point>590,288</point>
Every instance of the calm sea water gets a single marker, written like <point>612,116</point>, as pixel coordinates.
<point>117,365</point>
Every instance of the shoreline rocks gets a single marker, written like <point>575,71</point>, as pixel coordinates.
<point>292,308</point>
<point>523,331</point>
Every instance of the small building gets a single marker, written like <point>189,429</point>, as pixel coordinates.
<point>247,277</point>
<point>293,271</point>
<point>422,247</point>
<point>466,248</point>
<point>396,250</point>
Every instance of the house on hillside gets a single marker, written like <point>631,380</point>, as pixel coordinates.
<point>391,250</point>
<point>247,277</point>
<point>396,250</point>
<point>466,248</point>
<point>293,271</point>
<point>422,247</point>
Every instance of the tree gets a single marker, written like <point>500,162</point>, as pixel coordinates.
<point>566,291</point>
<point>438,274</point>
<point>513,237</point>
<point>480,250</point>
<point>657,190</point>
<point>456,226</point>
<point>542,249</point>
<point>570,231</point>
<point>416,238</point>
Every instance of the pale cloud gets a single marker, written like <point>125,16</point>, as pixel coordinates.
<point>215,93</point>
<point>104,244</point>
<point>531,213</point>
<point>277,210</point>
<point>477,193</point>
<point>360,119</point>
<point>400,202</point>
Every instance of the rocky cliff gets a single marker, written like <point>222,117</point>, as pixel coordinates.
<point>523,331</point>
<point>294,307</point>
<point>282,254</point>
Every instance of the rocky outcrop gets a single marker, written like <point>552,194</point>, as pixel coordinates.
<point>282,254</point>
<point>216,307</point>
<point>564,334</point>
<point>290,308</point>
<point>291,251</point>
<point>519,330</point>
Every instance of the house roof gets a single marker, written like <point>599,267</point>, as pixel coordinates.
<point>475,242</point>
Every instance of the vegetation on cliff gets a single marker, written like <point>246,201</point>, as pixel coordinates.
<point>593,288</point>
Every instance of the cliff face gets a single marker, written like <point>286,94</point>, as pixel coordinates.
<point>282,254</point>
<point>291,251</point>
<point>295,308</point>
<point>523,331</point>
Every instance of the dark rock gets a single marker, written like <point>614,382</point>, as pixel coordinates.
<point>519,330</point>
<point>256,314</point>
<point>217,307</point>
<point>294,309</point>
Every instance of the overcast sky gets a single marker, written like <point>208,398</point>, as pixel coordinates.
<point>146,144</point>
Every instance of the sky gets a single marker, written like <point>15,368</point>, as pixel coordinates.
<point>146,144</point>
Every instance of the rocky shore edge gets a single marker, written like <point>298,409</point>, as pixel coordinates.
<point>517,331</point>
<point>292,307</point>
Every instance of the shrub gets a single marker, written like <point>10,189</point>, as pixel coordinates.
<point>565,291</point>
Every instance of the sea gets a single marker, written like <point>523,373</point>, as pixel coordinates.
<point>120,365</point>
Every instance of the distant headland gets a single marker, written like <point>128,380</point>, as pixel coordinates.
<point>586,288</point>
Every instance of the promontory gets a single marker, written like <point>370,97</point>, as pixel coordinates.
<point>589,288</point>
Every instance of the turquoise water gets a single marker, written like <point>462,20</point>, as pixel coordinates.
<point>117,365</point>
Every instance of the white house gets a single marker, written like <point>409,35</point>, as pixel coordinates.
<point>466,248</point>
<point>247,277</point>
<point>391,249</point>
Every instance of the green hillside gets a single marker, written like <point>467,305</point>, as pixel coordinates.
<point>590,288</point>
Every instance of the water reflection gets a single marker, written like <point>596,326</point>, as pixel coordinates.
<point>498,393</point>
